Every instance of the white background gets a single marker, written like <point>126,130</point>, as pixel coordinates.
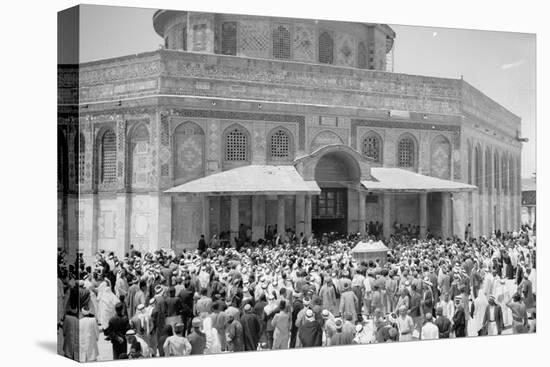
<point>28,165</point>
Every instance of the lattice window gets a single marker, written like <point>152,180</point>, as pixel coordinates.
<point>405,153</point>
<point>281,42</point>
<point>140,156</point>
<point>280,144</point>
<point>236,145</point>
<point>81,159</point>
<point>362,56</point>
<point>326,48</point>
<point>229,38</point>
<point>164,133</point>
<point>372,147</point>
<point>108,157</point>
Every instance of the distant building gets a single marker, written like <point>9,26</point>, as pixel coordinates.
<point>266,121</point>
<point>529,201</point>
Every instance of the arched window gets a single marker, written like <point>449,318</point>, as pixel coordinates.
<point>108,158</point>
<point>236,145</point>
<point>362,55</point>
<point>281,42</point>
<point>326,48</point>
<point>81,158</point>
<point>229,38</point>
<point>372,147</point>
<point>188,151</point>
<point>280,145</point>
<point>406,152</point>
<point>139,159</point>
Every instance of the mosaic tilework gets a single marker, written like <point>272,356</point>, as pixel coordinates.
<point>304,43</point>
<point>440,158</point>
<point>255,39</point>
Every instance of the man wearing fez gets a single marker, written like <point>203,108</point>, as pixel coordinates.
<point>310,332</point>
<point>251,328</point>
<point>116,331</point>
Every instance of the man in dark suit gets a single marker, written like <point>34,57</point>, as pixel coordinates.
<point>443,324</point>
<point>116,331</point>
<point>492,321</point>
<point>202,244</point>
<point>186,297</point>
<point>414,307</point>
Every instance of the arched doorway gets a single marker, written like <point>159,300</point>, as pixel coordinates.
<point>336,174</point>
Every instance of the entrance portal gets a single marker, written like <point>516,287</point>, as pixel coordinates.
<point>329,211</point>
<point>337,174</point>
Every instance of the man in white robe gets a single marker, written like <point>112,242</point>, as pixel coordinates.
<point>476,322</point>
<point>429,331</point>
<point>88,337</point>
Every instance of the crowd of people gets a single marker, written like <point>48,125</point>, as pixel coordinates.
<point>295,294</point>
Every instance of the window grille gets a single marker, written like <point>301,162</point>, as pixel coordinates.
<point>236,146</point>
<point>371,147</point>
<point>280,144</point>
<point>108,157</point>
<point>406,153</point>
<point>281,42</point>
<point>326,48</point>
<point>229,38</point>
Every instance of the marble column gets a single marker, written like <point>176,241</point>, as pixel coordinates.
<point>423,211</point>
<point>387,215</point>
<point>362,213</point>
<point>258,217</point>
<point>281,215</point>
<point>299,210</point>
<point>446,215</point>
<point>307,216</point>
<point>206,217</point>
<point>234,219</point>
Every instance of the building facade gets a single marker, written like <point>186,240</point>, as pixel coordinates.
<point>231,91</point>
<point>529,201</point>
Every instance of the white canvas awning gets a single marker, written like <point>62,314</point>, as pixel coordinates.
<point>400,180</point>
<point>250,180</point>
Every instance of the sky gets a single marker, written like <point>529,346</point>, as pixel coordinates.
<point>499,64</point>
